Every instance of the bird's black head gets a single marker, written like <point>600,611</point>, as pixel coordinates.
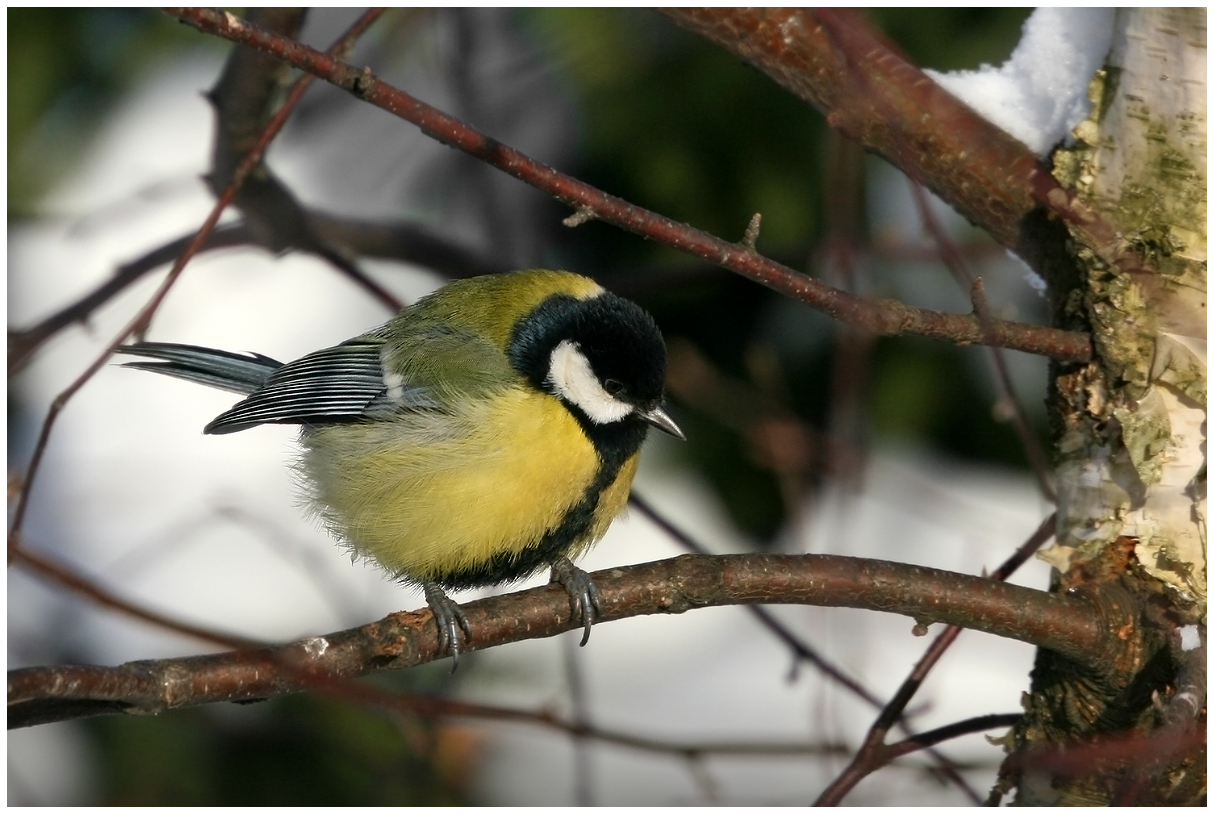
<point>603,357</point>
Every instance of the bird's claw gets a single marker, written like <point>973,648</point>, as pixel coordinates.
<point>584,597</point>
<point>449,619</point>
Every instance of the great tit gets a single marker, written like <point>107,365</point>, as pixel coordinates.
<point>486,432</point>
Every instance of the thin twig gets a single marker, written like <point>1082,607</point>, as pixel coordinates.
<point>874,753</point>
<point>800,649</point>
<point>392,240</point>
<point>849,411</point>
<point>243,98</point>
<point>955,263</point>
<point>140,322</point>
<point>22,344</point>
<point>575,677</point>
<point>883,318</point>
<point>954,730</point>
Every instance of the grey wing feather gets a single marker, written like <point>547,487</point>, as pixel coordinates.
<point>342,383</point>
<point>338,384</point>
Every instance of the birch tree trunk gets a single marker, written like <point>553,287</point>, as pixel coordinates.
<point>1130,432</point>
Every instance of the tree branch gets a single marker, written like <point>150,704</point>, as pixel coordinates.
<point>884,318</point>
<point>870,93</point>
<point>803,651</point>
<point>1083,628</point>
<point>874,752</point>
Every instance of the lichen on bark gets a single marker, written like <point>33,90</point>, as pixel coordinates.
<point>1130,427</point>
<point>1134,453</point>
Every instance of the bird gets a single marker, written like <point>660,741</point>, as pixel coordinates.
<point>488,431</point>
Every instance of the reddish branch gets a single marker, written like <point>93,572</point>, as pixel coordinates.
<point>874,753</point>
<point>802,650</point>
<point>833,60</point>
<point>1079,628</point>
<point>884,318</point>
<point>953,259</point>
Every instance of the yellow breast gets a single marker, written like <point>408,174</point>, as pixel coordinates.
<point>430,495</point>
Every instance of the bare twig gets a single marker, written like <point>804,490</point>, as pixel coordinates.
<point>140,322</point>
<point>874,753</point>
<point>392,240</point>
<point>941,734</point>
<point>23,344</point>
<point>883,318</point>
<point>849,412</point>
<point>243,99</point>
<point>800,649</point>
<point>49,569</point>
<point>583,790</point>
<point>953,260</point>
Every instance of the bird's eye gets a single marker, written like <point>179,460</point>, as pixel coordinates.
<point>613,386</point>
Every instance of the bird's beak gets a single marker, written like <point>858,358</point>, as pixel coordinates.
<point>658,418</point>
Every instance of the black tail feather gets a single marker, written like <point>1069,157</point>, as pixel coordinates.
<point>235,372</point>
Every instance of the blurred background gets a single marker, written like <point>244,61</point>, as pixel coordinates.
<point>804,436</point>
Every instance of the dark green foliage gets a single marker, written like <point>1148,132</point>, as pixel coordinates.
<point>684,128</point>
<point>66,66</point>
<point>953,38</point>
<point>301,750</point>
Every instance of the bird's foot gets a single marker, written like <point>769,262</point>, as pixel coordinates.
<point>584,597</point>
<point>449,619</point>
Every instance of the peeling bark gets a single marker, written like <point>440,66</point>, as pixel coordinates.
<point>1131,426</point>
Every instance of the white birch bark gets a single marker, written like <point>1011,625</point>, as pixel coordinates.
<point>1136,468</point>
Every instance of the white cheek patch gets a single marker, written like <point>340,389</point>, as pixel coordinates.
<point>571,377</point>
